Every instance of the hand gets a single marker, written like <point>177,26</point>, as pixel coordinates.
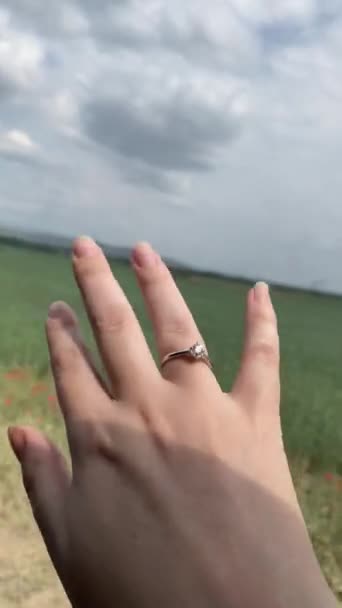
<point>180,495</point>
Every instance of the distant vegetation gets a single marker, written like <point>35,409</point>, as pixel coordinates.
<point>53,243</point>
<point>47,242</point>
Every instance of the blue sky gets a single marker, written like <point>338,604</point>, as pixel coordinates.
<point>213,130</point>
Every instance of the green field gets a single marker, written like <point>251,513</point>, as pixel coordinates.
<point>310,329</point>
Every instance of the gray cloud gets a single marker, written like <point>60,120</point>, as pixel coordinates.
<point>180,135</point>
<point>36,16</point>
<point>142,175</point>
<point>66,18</point>
<point>216,42</point>
<point>17,157</point>
<point>192,41</point>
<point>101,7</point>
<point>49,19</point>
<point>6,86</point>
<point>294,32</point>
<point>122,24</point>
<point>222,117</point>
<point>31,158</point>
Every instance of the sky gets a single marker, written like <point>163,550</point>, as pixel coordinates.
<point>211,129</point>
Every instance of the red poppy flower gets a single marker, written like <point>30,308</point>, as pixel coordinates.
<point>16,374</point>
<point>329,476</point>
<point>39,388</point>
<point>53,401</point>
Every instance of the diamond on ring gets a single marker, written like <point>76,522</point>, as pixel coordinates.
<point>198,351</point>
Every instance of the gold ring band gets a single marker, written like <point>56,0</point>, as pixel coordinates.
<point>197,352</point>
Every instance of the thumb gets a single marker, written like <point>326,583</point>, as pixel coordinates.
<point>47,480</point>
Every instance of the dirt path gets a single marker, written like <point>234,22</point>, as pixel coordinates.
<point>27,579</point>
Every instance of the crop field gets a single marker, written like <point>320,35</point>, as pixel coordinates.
<point>310,329</point>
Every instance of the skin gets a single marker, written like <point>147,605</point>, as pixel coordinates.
<point>180,494</point>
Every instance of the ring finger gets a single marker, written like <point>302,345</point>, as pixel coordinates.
<point>174,326</point>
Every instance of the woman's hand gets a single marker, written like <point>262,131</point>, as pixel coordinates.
<point>180,495</point>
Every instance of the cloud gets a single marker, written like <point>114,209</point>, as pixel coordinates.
<point>20,59</point>
<point>270,11</point>
<point>141,175</point>
<point>223,118</point>
<point>201,37</point>
<point>178,116</point>
<point>164,116</point>
<point>61,108</point>
<point>180,135</point>
<point>49,19</point>
<point>17,146</point>
<point>18,140</point>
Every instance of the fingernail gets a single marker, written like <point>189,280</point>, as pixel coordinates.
<point>84,246</point>
<point>144,256</point>
<point>17,439</point>
<point>55,310</point>
<point>59,312</point>
<point>261,290</point>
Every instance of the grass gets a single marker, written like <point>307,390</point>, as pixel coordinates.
<point>310,329</point>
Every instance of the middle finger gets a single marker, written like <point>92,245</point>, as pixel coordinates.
<point>120,339</point>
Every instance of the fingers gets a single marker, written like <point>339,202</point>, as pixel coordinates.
<point>258,378</point>
<point>69,320</point>
<point>173,324</point>
<point>120,339</point>
<point>82,394</point>
<point>47,481</point>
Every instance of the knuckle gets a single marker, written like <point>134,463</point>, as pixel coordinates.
<point>157,426</point>
<point>176,327</point>
<point>89,266</point>
<point>181,324</point>
<point>266,316</point>
<point>65,360</point>
<point>266,351</point>
<point>113,320</point>
<point>158,276</point>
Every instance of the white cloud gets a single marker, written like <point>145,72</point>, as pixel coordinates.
<point>73,21</point>
<point>62,109</point>
<point>230,110</point>
<point>16,146</point>
<point>270,11</point>
<point>17,141</point>
<point>21,57</point>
